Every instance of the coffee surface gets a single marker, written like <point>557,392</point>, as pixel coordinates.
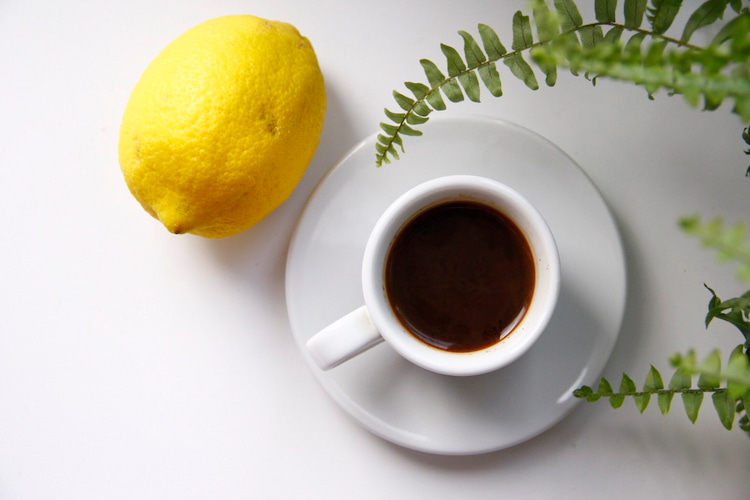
<point>459,276</point>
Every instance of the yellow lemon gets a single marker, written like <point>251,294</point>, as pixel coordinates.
<point>222,124</point>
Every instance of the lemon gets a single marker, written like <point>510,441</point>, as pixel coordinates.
<point>222,125</point>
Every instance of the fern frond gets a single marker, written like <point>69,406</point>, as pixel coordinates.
<point>729,387</point>
<point>647,57</point>
<point>635,49</point>
<point>729,399</point>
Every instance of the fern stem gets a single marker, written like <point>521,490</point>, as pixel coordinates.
<point>717,390</point>
<point>655,36</point>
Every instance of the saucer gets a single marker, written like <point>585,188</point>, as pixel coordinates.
<point>440,414</point>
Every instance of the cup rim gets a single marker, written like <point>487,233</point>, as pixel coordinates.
<point>544,250</point>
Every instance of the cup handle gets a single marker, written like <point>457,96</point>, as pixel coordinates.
<point>347,337</point>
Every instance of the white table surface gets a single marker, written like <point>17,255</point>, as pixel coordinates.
<point>135,364</point>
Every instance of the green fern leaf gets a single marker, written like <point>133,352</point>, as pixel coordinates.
<point>491,79</point>
<point>710,369</point>
<point>569,14</point>
<point>436,101</point>
<point>455,63</point>
<point>732,29</point>
<point>432,72</point>
<point>404,102</point>
<point>681,380</point>
<point>397,141</point>
<point>634,10</point>
<point>737,351</point>
<point>395,117</point>
<point>472,50</point>
<point>550,74</point>
<point>665,401</point>
<point>436,78</point>
<point>470,84</point>
<point>616,400</point>
<point>742,109</point>
<point>407,130</point>
<point>712,101</point>
<point>738,376</point>
<point>587,393</point>
<point>652,384</point>
<point>633,45</point>
<point>641,401</point>
<point>452,91</point>
<point>383,154</point>
<point>569,19</point>
<point>583,391</point>
<point>383,142</point>
<point>420,91</point>
<point>389,128</point>
<point>548,67</point>
<point>605,10</point>
<point>593,397</point>
<point>662,14</point>
<point>653,381</point>
<point>655,55</point>
<point>708,13</point>
<point>691,89</point>
<point>605,388</point>
<point>725,408</point>
<point>546,23</point>
<point>591,36</point>
<point>692,402</point>
<point>421,108</point>
<point>521,69</point>
<point>744,423</point>
<point>522,35</point>
<point>450,87</point>
<point>653,59</point>
<point>729,243</point>
<point>415,119</point>
<point>384,149</point>
<point>627,386</point>
<point>613,35</point>
<point>713,305</point>
<point>492,45</point>
<point>457,68</point>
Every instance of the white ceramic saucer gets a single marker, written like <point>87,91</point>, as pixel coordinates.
<point>440,414</point>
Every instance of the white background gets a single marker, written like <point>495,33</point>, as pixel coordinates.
<point>139,364</point>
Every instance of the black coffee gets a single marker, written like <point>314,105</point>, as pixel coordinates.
<point>459,276</point>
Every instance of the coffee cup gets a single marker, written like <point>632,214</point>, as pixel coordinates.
<point>460,276</point>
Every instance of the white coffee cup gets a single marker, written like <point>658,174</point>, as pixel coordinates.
<point>375,321</point>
